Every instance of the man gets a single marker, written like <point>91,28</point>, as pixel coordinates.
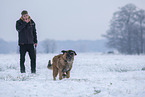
<point>27,39</point>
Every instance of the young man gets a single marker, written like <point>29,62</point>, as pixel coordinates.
<point>27,39</point>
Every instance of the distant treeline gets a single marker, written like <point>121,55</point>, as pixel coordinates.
<point>52,46</point>
<point>8,47</point>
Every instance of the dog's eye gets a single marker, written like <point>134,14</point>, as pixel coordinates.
<point>71,53</point>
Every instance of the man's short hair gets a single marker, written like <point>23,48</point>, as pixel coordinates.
<point>24,12</point>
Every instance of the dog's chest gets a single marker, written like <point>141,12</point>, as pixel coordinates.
<point>65,63</point>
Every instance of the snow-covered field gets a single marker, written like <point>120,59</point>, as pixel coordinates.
<point>92,75</point>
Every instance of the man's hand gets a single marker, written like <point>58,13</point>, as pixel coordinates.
<point>35,44</point>
<point>27,20</point>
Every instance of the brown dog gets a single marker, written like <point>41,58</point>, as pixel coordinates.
<point>62,64</point>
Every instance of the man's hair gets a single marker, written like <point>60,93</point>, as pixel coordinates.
<point>24,12</point>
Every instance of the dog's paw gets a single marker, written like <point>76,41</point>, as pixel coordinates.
<point>64,75</point>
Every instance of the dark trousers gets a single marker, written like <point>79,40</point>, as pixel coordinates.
<point>30,49</point>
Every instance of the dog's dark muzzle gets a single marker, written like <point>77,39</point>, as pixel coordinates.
<point>70,56</point>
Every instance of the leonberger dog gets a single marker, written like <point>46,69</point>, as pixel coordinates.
<point>62,64</point>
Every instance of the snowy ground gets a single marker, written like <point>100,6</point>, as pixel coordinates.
<point>92,75</point>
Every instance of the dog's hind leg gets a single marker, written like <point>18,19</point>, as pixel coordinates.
<point>55,72</point>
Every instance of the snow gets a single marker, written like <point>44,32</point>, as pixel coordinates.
<point>92,75</point>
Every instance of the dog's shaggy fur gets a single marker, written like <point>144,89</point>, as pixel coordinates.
<point>62,64</point>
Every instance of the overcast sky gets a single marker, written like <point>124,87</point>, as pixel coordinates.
<point>62,19</point>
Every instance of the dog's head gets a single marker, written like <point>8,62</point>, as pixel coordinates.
<point>69,54</point>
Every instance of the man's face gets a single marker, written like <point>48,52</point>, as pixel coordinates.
<point>25,16</point>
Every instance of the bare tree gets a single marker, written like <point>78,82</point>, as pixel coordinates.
<point>141,28</point>
<point>49,46</point>
<point>127,30</point>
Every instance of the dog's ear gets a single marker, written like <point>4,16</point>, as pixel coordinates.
<point>63,51</point>
<point>75,53</point>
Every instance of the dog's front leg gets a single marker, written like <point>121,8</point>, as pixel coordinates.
<point>68,74</point>
<point>60,75</point>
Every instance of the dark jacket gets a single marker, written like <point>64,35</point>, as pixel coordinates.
<point>26,32</point>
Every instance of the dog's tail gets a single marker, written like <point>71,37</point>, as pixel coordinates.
<point>49,66</point>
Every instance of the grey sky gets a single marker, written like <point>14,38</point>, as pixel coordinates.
<point>62,19</point>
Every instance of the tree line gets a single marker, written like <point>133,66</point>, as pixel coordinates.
<point>127,30</point>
